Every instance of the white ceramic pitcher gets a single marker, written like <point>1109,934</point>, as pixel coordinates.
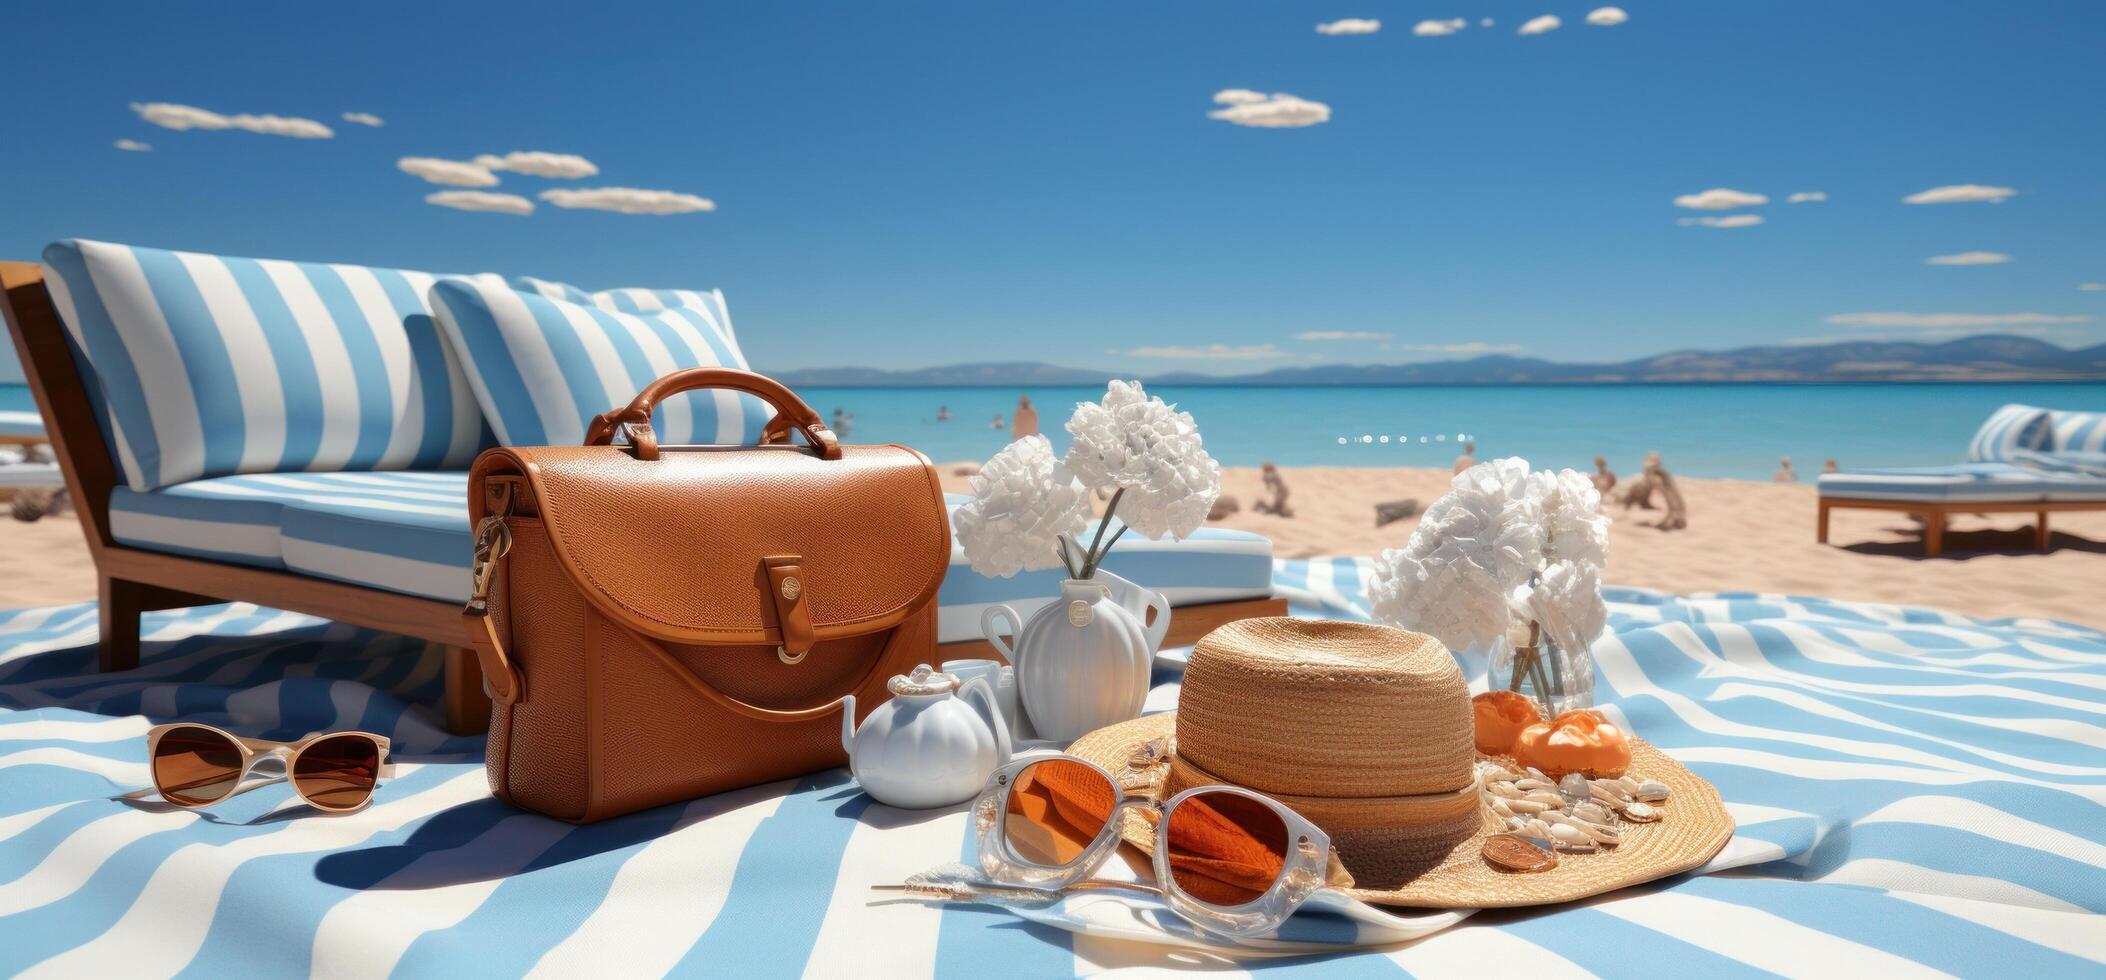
<point>1082,661</point>
<point>933,744</point>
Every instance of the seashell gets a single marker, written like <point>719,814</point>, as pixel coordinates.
<point>1629,785</point>
<point>1505,789</point>
<point>1536,828</point>
<point>1511,853</point>
<point>1538,774</point>
<point>1526,806</point>
<point>1575,788</point>
<point>1594,813</point>
<point>1501,807</point>
<point>1547,798</point>
<point>1641,812</point>
<point>1516,823</point>
<point>1651,791</point>
<point>1531,782</point>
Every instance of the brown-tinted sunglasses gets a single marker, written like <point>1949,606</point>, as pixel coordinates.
<point>197,765</point>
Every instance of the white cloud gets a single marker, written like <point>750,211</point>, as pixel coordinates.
<point>1276,111</point>
<point>1925,336</point>
<point>453,173</point>
<point>1211,352</point>
<point>364,119</point>
<point>1472,347</point>
<point>1350,25</point>
<point>1960,194</point>
<point>1341,335</point>
<point>539,164</point>
<point>481,201</point>
<point>1439,28</point>
<point>1724,221</point>
<point>1607,16</point>
<point>1487,22</point>
<point>169,115</point>
<point>627,200</point>
<point>1541,25</point>
<point>2092,287</point>
<point>1238,96</point>
<point>1720,199</point>
<point>1806,197</point>
<point>1969,258</point>
<point>134,146</point>
<point>1947,321</point>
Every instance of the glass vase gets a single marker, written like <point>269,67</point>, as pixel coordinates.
<point>1556,676</point>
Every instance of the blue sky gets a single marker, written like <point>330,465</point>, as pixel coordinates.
<point>910,184</point>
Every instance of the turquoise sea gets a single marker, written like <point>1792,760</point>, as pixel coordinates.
<point>1725,430</point>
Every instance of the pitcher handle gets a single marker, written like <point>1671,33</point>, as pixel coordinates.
<point>994,638</point>
<point>1161,627</point>
<point>980,695</point>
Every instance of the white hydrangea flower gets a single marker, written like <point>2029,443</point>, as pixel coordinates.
<point>1566,599</point>
<point>1574,528</point>
<point>1136,443</point>
<point>1023,500</point>
<point>1471,550</point>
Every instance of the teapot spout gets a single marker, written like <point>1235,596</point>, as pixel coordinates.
<point>848,724</point>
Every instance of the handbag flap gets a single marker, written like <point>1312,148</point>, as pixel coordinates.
<point>678,547</point>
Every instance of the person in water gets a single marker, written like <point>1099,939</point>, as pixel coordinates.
<point>1025,421</point>
<point>1785,473</point>
<point>843,422</point>
<point>998,423</point>
<point>943,413</point>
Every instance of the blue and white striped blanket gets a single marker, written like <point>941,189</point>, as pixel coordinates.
<point>1917,792</point>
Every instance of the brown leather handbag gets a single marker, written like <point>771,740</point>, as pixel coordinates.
<point>657,623</point>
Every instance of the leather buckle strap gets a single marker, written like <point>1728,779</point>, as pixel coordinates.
<point>793,617</point>
<point>493,538</point>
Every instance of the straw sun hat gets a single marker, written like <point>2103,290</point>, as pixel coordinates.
<point>1367,731</point>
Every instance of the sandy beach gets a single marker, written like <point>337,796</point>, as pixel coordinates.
<point>1741,536</point>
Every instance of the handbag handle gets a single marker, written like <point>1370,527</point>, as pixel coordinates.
<point>636,416</point>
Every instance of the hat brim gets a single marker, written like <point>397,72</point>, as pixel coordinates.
<point>1693,827</point>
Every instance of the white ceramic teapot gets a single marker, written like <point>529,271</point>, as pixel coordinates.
<point>934,744</point>
<point>1082,661</point>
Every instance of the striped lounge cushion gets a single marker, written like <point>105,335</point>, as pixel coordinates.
<point>212,365</point>
<point>1960,482</point>
<point>710,302</point>
<point>2010,428</point>
<point>2078,432</point>
<point>542,367</point>
<point>408,532</point>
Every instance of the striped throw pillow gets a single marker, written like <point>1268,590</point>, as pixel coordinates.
<point>2079,432</point>
<point>210,365</point>
<point>2010,428</point>
<point>710,302</point>
<point>542,367</point>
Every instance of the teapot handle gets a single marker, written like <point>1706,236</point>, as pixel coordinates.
<point>980,695</point>
<point>1161,627</point>
<point>988,617</point>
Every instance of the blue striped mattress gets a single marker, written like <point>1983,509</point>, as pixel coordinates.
<point>1917,793</point>
<point>408,532</point>
<point>1960,482</point>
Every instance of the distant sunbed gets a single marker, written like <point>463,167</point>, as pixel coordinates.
<point>2022,460</point>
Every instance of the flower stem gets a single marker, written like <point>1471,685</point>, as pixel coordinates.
<point>1065,561</point>
<point>1097,560</point>
<point>1089,563</point>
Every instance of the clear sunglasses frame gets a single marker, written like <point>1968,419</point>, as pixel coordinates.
<point>255,750</point>
<point>1301,872</point>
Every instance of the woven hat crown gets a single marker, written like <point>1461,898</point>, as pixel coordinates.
<point>1326,709</point>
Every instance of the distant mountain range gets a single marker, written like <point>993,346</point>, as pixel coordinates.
<point>1985,358</point>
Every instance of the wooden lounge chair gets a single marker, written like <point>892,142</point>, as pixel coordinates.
<point>2025,460</point>
<point>1230,571</point>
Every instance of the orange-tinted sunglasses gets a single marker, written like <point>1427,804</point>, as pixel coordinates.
<point>197,765</point>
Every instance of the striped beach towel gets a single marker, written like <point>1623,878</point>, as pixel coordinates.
<point>1917,792</point>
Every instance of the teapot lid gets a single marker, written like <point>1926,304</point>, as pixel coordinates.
<point>925,681</point>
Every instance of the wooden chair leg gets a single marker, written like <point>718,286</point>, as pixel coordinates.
<point>1821,525</point>
<point>467,706</point>
<point>119,604</point>
<point>1933,533</point>
<point>2040,531</point>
